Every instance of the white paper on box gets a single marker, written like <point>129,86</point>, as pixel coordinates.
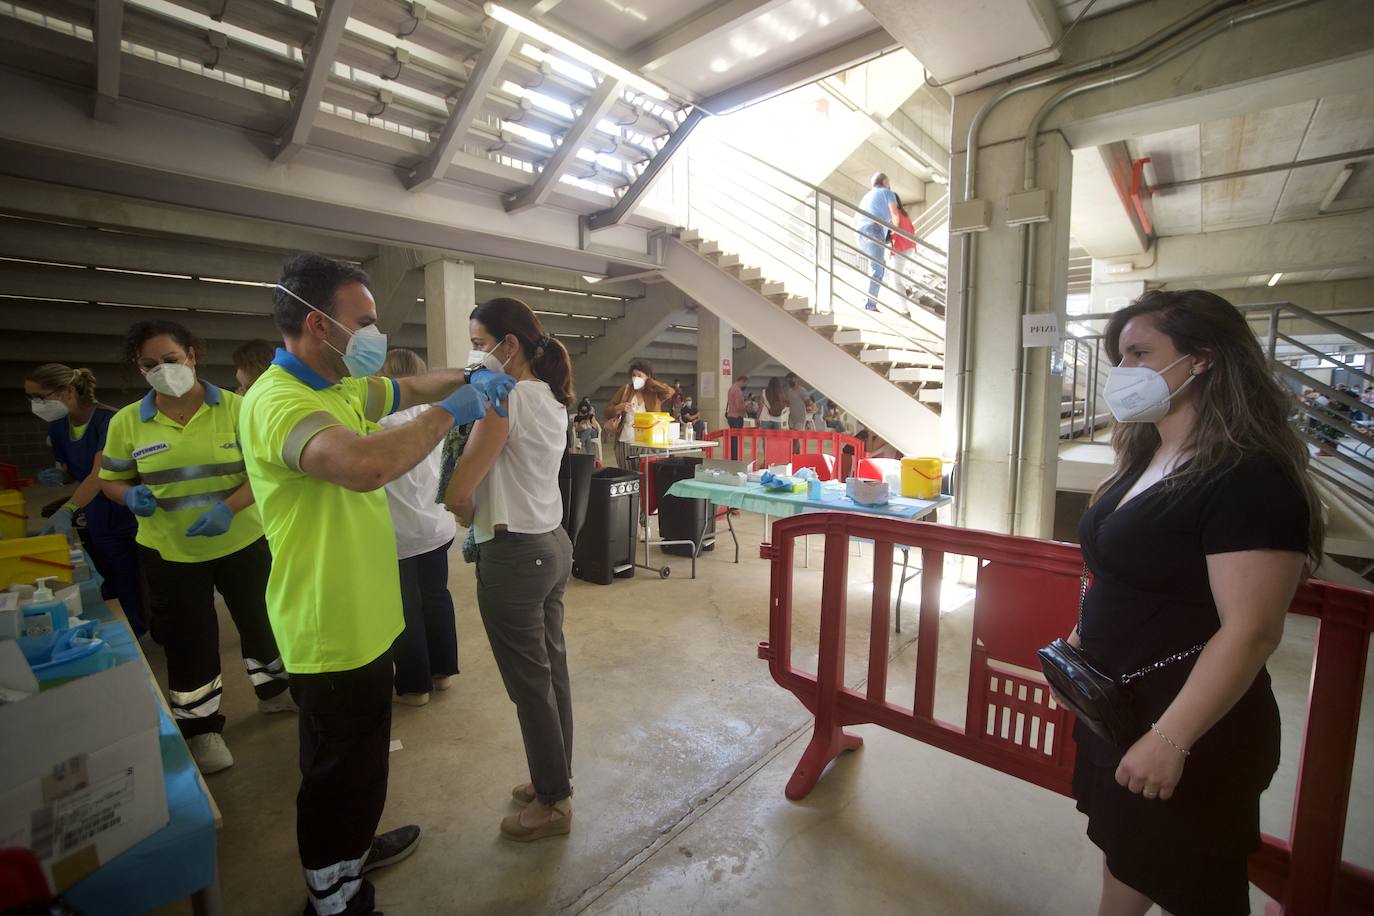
<point>83,769</point>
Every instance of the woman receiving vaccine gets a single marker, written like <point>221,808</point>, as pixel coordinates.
<point>64,398</point>
<point>506,489</point>
<point>174,459</point>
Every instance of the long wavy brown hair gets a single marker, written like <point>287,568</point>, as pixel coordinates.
<point>1242,409</point>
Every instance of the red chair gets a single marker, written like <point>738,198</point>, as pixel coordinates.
<point>823,465</point>
<point>888,469</point>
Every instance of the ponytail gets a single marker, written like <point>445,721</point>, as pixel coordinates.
<point>553,364</point>
<point>56,375</point>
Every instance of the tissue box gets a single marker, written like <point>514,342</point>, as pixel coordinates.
<point>868,492</point>
<point>83,772</point>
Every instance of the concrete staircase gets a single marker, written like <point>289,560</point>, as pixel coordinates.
<point>899,392</point>
<point>906,349</point>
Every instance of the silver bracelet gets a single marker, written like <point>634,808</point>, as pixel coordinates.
<point>1154,727</point>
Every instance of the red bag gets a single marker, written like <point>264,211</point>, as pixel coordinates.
<point>901,243</point>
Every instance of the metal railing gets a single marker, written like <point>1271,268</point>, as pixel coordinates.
<point>804,237</point>
<point>1085,374</point>
<point>1330,419</point>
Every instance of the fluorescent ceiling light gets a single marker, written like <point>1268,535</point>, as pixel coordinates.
<point>573,49</point>
<point>1274,280</point>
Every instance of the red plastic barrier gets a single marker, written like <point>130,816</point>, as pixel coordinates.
<point>777,446</point>
<point>1027,592</point>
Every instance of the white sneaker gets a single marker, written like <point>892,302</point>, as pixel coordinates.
<point>282,702</point>
<point>210,752</point>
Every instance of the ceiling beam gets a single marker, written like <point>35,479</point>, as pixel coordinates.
<point>57,319</point>
<point>88,285</point>
<point>483,77</point>
<point>109,28</point>
<point>632,195</point>
<point>41,199</point>
<point>649,54</point>
<point>319,64</point>
<point>26,239</point>
<point>600,103</point>
<point>833,60</point>
<point>1288,247</point>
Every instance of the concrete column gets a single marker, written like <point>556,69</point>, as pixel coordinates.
<point>450,295</point>
<point>715,345</point>
<point>994,326</point>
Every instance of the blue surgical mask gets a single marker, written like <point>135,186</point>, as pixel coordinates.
<point>366,350</point>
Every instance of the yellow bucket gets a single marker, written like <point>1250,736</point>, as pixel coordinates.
<point>921,477</point>
<point>25,559</point>
<point>14,518</point>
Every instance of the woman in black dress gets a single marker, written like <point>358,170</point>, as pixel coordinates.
<point>1200,535</point>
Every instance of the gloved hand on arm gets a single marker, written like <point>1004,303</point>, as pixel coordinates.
<point>496,386</point>
<point>52,477</point>
<point>213,522</point>
<point>468,404</point>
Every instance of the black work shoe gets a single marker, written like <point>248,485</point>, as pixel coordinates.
<point>391,847</point>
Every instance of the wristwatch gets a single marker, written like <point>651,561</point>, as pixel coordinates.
<point>468,373</point>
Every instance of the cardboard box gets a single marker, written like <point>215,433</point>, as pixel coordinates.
<point>81,772</point>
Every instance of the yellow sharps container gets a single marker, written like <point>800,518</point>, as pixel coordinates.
<point>921,477</point>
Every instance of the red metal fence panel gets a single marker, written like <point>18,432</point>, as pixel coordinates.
<point>1027,595</point>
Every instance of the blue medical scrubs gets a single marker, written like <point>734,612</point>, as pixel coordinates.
<point>111,527</point>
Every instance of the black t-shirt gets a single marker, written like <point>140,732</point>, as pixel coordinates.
<point>1151,595</point>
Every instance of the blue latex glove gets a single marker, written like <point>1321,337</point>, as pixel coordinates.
<point>140,501</point>
<point>468,405</point>
<point>496,386</point>
<point>52,477</point>
<point>60,522</point>
<point>213,522</point>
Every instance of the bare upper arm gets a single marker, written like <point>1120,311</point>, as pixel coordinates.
<point>1253,588</point>
<point>479,455</point>
<point>331,454</point>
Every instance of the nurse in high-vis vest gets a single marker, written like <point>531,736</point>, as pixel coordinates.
<point>174,459</point>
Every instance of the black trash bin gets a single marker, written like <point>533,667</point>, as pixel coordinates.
<point>574,482</point>
<point>605,547</point>
<point>681,519</point>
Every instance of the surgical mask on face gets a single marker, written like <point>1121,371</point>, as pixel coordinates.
<point>637,381</point>
<point>171,379</point>
<point>47,410</point>
<point>366,350</point>
<point>1139,394</point>
<point>485,359</point>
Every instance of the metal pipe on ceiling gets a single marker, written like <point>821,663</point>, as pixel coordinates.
<point>1354,155</point>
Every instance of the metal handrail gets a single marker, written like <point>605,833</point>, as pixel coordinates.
<point>821,192</point>
<point>803,229</point>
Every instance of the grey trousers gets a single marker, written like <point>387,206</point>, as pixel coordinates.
<point>520,582</point>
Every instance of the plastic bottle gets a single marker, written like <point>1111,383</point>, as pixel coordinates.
<point>46,614</point>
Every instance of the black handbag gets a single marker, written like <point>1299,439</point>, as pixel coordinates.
<point>1099,700</point>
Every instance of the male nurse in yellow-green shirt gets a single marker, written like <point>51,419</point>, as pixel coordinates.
<point>318,460</point>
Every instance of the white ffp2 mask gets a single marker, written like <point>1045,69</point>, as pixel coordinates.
<point>1139,394</point>
<point>171,379</point>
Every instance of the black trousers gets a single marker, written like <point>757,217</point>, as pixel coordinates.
<point>428,647</point>
<point>345,731</point>
<point>182,600</point>
<point>734,423</point>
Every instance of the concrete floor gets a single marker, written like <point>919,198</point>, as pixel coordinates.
<point>683,747</point>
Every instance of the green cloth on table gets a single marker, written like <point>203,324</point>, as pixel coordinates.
<point>755,498</point>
